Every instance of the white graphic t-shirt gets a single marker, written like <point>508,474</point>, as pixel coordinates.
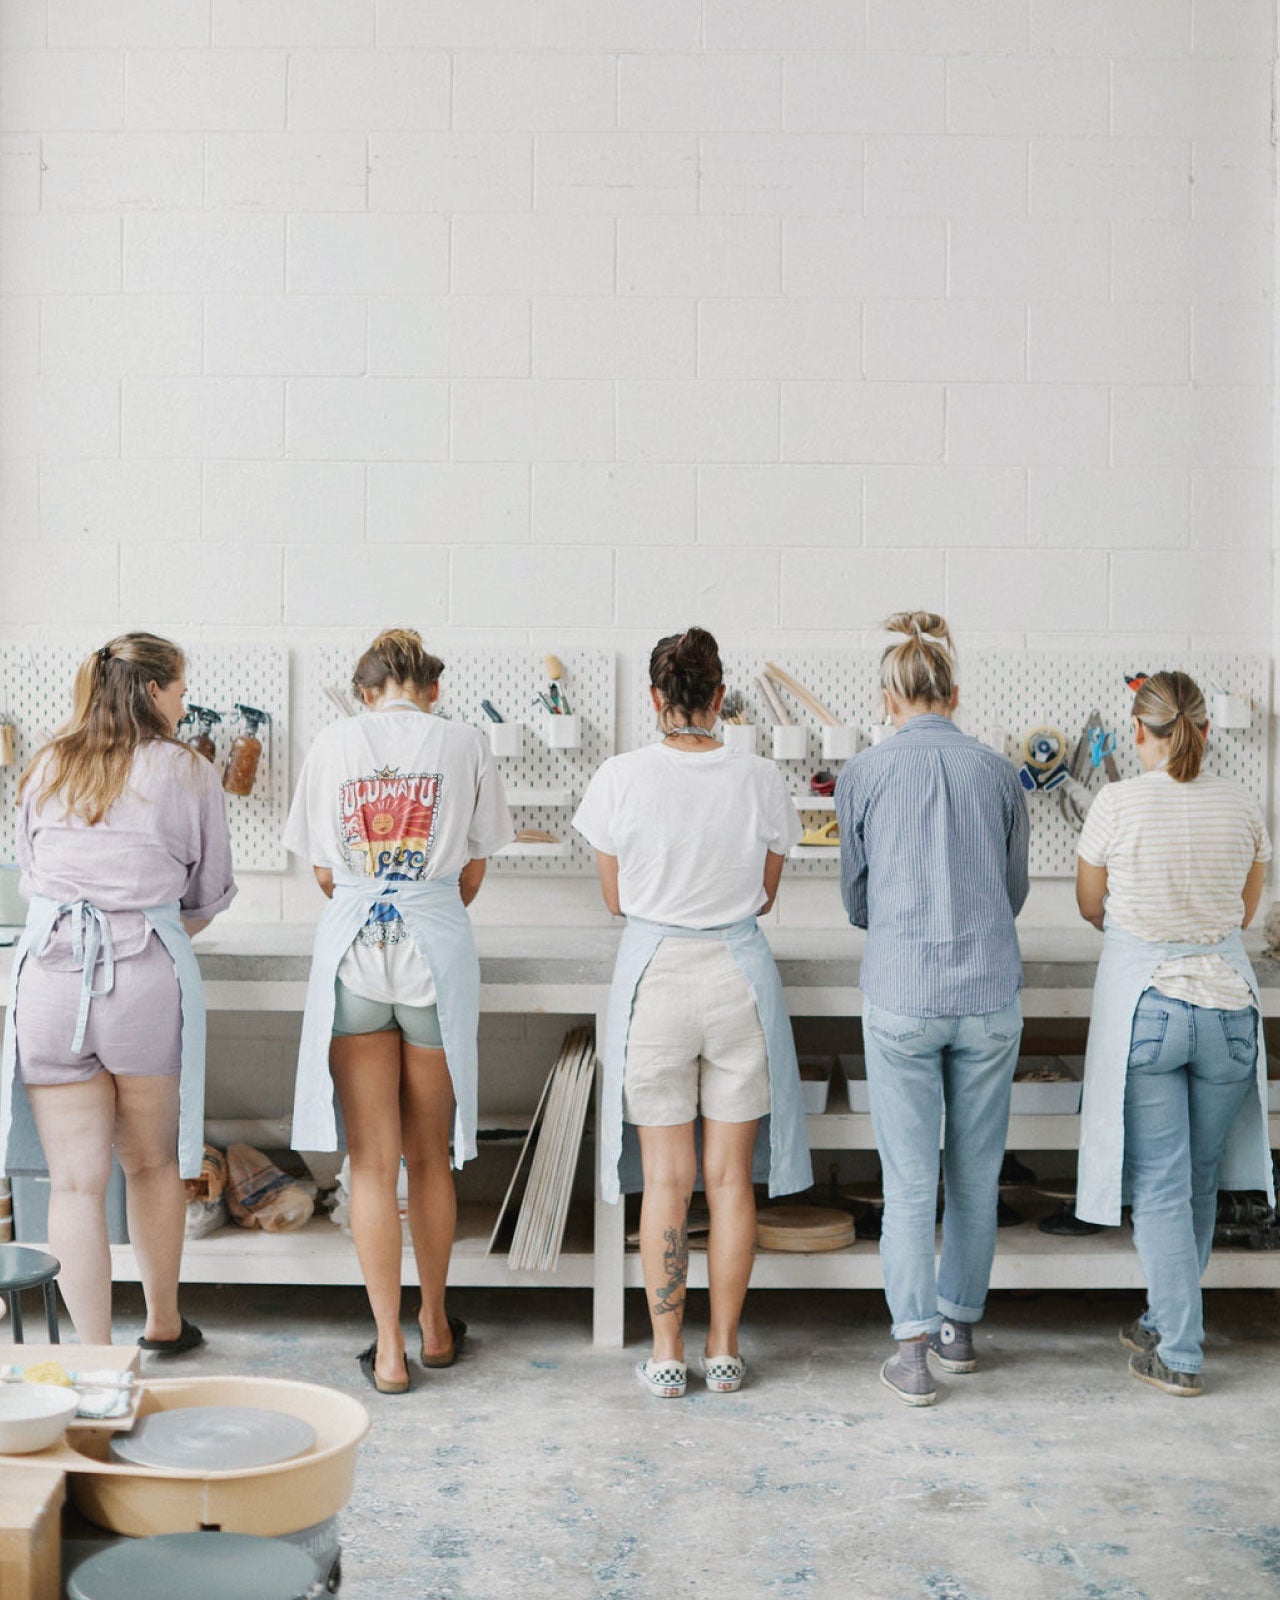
<point>396,794</point>
<point>690,830</point>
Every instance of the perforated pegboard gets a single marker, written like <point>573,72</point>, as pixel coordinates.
<point>35,695</point>
<point>511,681</point>
<point>1012,690</point>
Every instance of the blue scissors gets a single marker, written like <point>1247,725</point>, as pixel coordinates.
<point>1101,745</point>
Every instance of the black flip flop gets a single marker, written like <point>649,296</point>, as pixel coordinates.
<point>458,1328</point>
<point>189,1339</point>
<point>368,1365</point>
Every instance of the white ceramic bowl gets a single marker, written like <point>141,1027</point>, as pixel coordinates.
<point>33,1416</point>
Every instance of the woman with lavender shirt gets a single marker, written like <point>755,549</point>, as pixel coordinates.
<point>123,844</point>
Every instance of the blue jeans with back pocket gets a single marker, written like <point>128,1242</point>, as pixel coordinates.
<point>1190,1070</point>
<point>917,1067</point>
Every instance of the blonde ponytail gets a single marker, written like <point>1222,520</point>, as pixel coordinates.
<point>922,668</point>
<point>1171,706</point>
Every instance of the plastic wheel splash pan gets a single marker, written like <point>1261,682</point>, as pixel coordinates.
<point>282,1498</point>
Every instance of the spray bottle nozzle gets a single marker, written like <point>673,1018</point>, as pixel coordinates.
<point>252,717</point>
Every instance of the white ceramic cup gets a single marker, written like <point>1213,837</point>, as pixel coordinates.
<point>789,743</point>
<point>564,732</point>
<point>880,731</point>
<point>739,736</point>
<point>1228,711</point>
<point>838,744</point>
<point>505,738</point>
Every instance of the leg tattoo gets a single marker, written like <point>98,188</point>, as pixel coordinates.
<point>669,1297</point>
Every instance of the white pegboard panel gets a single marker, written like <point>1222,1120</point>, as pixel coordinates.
<point>1013,690</point>
<point>35,695</point>
<point>511,680</point>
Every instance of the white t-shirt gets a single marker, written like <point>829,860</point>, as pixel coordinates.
<point>1177,856</point>
<point>396,794</point>
<point>690,830</point>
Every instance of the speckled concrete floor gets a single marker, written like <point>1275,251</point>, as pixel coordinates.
<point>538,1467</point>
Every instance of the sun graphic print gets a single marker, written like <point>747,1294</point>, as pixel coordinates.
<point>389,822</point>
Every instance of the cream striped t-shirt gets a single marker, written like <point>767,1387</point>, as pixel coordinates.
<point>1177,855</point>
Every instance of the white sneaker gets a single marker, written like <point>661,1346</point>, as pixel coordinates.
<point>665,1380</point>
<point>723,1373</point>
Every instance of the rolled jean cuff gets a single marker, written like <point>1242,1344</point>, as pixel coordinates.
<point>954,1313</point>
<point>913,1330</point>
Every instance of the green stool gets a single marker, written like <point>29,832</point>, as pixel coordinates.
<point>198,1566</point>
<point>23,1268</point>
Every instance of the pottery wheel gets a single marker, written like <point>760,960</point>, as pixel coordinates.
<point>214,1439</point>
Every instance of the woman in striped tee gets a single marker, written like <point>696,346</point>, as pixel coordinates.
<point>1171,868</point>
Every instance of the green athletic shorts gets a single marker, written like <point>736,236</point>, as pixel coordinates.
<point>353,1014</point>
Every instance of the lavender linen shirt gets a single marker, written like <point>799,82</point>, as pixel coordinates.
<point>164,839</point>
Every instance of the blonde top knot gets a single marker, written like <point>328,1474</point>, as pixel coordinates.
<point>397,655</point>
<point>922,668</point>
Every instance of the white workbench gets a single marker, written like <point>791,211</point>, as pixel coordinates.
<point>566,971</point>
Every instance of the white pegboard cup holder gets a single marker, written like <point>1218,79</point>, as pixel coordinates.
<point>880,731</point>
<point>1229,711</point>
<point>789,743</point>
<point>839,742</point>
<point>740,736</point>
<point>563,732</point>
<point>505,738</point>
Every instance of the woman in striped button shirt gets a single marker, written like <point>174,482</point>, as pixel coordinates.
<point>1171,868</point>
<point>933,859</point>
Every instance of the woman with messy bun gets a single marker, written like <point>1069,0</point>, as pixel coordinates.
<point>396,812</point>
<point>690,841</point>
<point>933,864</point>
<point>1170,867</point>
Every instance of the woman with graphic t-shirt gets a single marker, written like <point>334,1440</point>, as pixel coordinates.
<point>690,840</point>
<point>396,810</point>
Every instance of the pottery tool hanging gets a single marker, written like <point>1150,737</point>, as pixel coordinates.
<point>339,698</point>
<point>535,836</point>
<point>806,697</point>
<point>8,744</point>
<point>491,711</point>
<point>734,707</point>
<point>555,671</point>
<point>781,716</point>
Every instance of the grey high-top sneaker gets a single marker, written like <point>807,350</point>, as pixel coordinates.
<point>1134,1336</point>
<point>907,1373</point>
<point>952,1347</point>
<point>1150,1368</point>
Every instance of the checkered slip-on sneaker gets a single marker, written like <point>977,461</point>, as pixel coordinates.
<point>723,1373</point>
<point>1133,1336</point>
<point>666,1380</point>
<point>1150,1369</point>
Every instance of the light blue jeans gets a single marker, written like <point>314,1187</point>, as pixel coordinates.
<point>916,1067</point>
<point>1190,1070</point>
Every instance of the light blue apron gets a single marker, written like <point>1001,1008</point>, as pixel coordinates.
<point>1125,969</point>
<point>92,948</point>
<point>440,928</point>
<point>782,1150</point>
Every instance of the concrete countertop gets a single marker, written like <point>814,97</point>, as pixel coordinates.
<point>1053,957</point>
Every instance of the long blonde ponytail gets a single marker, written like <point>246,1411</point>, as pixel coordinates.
<point>1170,706</point>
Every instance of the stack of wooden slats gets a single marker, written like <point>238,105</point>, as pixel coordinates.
<point>555,1137</point>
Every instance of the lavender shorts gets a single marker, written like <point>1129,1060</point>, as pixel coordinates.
<point>135,1031</point>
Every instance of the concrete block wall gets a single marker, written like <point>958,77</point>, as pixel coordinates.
<point>568,321</point>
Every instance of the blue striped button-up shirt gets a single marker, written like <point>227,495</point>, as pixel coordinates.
<point>933,864</point>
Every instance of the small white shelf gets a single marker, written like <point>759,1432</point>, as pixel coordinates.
<point>540,797</point>
<point>524,848</point>
<point>814,802</point>
<point>814,852</point>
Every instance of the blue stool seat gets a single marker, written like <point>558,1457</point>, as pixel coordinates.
<point>23,1268</point>
<point>198,1566</point>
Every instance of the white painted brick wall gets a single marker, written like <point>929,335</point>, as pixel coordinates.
<point>573,318</point>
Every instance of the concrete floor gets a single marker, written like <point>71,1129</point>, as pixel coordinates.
<point>538,1467</point>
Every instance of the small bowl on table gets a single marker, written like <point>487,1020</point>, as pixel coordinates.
<point>34,1416</point>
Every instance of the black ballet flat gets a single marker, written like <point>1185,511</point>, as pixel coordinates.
<point>189,1339</point>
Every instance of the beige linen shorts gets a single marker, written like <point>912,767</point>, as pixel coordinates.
<point>696,1044</point>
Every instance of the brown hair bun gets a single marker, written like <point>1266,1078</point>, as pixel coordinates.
<point>685,669</point>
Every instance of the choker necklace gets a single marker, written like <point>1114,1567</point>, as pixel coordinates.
<point>697,733</point>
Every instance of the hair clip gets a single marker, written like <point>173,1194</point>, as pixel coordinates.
<point>104,655</point>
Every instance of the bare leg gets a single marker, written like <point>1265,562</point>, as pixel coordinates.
<point>670,1166</point>
<point>426,1119</point>
<point>146,1139</point>
<point>366,1070</point>
<point>74,1121</point>
<point>727,1150</point>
